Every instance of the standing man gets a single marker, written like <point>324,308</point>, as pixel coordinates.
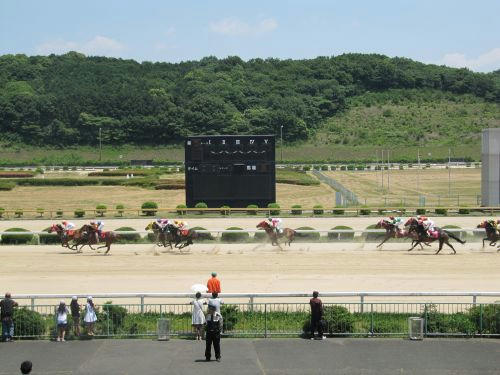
<point>213,284</point>
<point>216,301</point>
<point>213,329</point>
<point>7,313</point>
<point>316,316</point>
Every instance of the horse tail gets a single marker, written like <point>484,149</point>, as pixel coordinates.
<point>454,237</point>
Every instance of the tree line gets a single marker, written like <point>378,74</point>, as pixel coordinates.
<point>63,100</point>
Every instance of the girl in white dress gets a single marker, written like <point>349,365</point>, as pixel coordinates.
<point>62,320</point>
<point>198,317</point>
<point>90,316</point>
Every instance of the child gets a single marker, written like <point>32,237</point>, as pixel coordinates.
<point>62,320</point>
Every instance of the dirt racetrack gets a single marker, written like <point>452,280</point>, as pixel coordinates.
<point>250,268</point>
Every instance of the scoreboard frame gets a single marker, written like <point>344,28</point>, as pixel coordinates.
<point>233,170</point>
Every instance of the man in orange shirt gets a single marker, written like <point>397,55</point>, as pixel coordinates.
<point>213,284</point>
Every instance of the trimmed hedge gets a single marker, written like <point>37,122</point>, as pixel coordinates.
<point>16,239</point>
<point>420,211</point>
<point>235,237</point>
<point>365,211</point>
<point>311,236</point>
<point>101,209</point>
<point>119,208</point>
<point>180,209</point>
<point>340,236</point>
<point>7,185</point>
<point>441,211</point>
<point>79,212</point>
<point>224,210</point>
<point>49,238</point>
<point>252,209</point>
<point>296,209</point>
<point>318,210</point>
<point>204,236</point>
<point>201,205</point>
<point>276,207</point>
<point>372,237</point>
<point>124,238</point>
<point>338,211</point>
<point>28,323</point>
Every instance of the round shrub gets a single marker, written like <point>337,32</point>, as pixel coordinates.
<point>364,211</point>
<point>224,210</point>
<point>79,212</point>
<point>230,315</point>
<point>128,237</point>
<point>441,211</point>
<point>420,211</point>
<point>235,237</point>
<point>119,209</point>
<point>337,318</point>
<point>463,211</point>
<point>318,210</point>
<point>18,213</point>
<point>204,236</point>
<point>275,206</point>
<point>252,209</point>
<point>332,236</point>
<point>2,210</point>
<point>59,212</point>
<point>149,208</point>
<point>324,167</point>
<point>201,205</point>
<point>113,314</point>
<point>296,209</point>
<point>40,211</point>
<point>461,234</point>
<point>308,236</point>
<point>490,316</point>
<point>373,236</point>
<point>48,238</point>
<point>16,239</point>
<point>180,209</point>
<point>28,323</point>
<point>7,185</point>
<point>101,209</point>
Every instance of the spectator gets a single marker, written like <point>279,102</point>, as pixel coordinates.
<point>213,330</point>
<point>75,315</point>
<point>62,320</point>
<point>213,284</point>
<point>6,315</point>
<point>198,318</point>
<point>216,301</point>
<point>316,316</point>
<point>26,367</point>
<point>90,316</point>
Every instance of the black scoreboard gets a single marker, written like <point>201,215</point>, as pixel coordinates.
<point>231,170</point>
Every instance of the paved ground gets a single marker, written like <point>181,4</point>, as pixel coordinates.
<point>256,356</point>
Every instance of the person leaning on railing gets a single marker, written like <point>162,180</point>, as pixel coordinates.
<point>316,316</point>
<point>7,313</point>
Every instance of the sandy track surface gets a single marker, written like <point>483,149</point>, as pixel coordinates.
<point>250,268</point>
<point>246,223</point>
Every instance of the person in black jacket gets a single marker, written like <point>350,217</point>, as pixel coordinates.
<point>316,316</point>
<point>6,314</point>
<point>213,329</point>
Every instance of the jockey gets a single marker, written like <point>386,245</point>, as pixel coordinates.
<point>68,225</point>
<point>428,225</point>
<point>494,224</point>
<point>396,221</point>
<point>276,224</point>
<point>180,225</point>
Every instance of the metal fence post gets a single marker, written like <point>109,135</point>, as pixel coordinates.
<point>32,304</point>
<point>142,304</point>
<point>425,320</point>
<point>474,299</point>
<point>265,321</point>
<point>481,319</point>
<point>362,301</point>
<point>107,321</point>
<point>250,301</point>
<point>371,319</point>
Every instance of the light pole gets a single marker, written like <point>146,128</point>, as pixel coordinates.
<point>281,148</point>
<point>100,144</point>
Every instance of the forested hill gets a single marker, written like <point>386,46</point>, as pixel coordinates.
<point>64,100</point>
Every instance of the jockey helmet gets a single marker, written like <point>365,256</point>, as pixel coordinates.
<point>99,222</point>
<point>158,220</point>
<point>270,218</point>
<point>92,222</point>
<point>65,222</point>
<point>391,217</point>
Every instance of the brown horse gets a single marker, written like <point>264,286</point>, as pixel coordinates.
<point>443,236</point>
<point>287,233</point>
<point>87,236</point>
<point>64,236</point>
<point>163,236</point>
<point>392,231</point>
<point>182,238</point>
<point>491,233</point>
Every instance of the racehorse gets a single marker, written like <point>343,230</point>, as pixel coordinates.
<point>491,233</point>
<point>391,231</point>
<point>162,234</point>
<point>87,235</point>
<point>288,233</point>
<point>64,236</point>
<point>443,236</point>
<point>183,240</point>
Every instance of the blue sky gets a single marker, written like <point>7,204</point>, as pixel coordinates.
<point>455,33</point>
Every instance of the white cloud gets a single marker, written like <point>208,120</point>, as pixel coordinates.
<point>236,27</point>
<point>97,46</point>
<point>486,62</point>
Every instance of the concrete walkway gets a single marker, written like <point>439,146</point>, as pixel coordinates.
<point>256,356</point>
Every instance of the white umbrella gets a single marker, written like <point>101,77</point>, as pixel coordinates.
<point>199,288</point>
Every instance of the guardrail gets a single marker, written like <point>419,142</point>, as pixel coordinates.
<point>277,319</point>
<point>227,211</point>
<point>363,295</point>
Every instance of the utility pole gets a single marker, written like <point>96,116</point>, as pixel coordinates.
<point>418,171</point>
<point>281,132</point>
<point>449,172</point>
<point>100,144</point>
<point>382,169</point>
<point>388,168</point>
